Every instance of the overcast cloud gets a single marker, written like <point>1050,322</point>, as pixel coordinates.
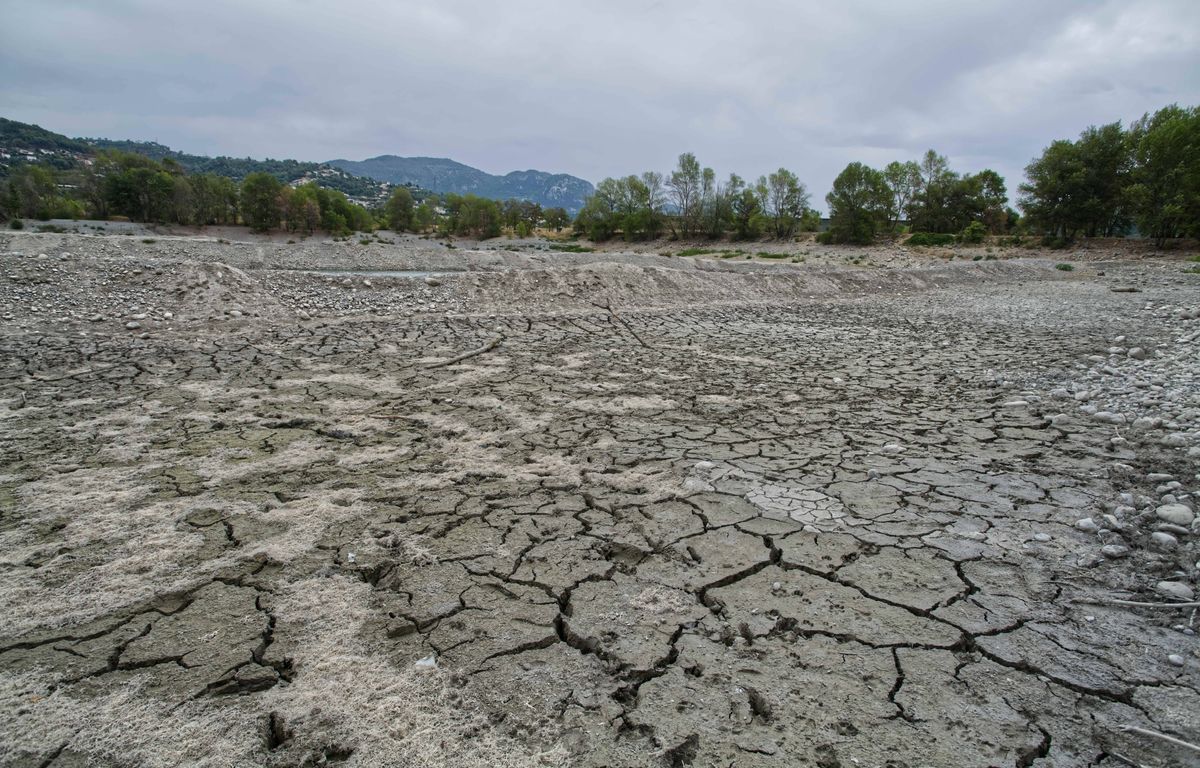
<point>601,88</point>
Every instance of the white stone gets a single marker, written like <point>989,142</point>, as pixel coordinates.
<point>1176,514</point>
<point>1176,590</point>
<point>1163,542</point>
<point>1087,525</point>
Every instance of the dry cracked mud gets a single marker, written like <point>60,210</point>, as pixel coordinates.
<point>682,515</point>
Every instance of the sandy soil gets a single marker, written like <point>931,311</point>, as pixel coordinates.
<point>406,504</point>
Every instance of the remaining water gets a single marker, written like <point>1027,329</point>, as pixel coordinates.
<point>415,273</point>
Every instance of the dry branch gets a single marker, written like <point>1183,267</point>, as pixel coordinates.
<point>492,344</point>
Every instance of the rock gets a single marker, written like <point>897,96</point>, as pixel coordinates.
<point>1175,590</point>
<point>1016,404</point>
<point>1175,514</point>
<point>1109,418</point>
<point>1087,525</point>
<point>1175,660</point>
<point>892,448</point>
<point>1137,353</point>
<point>432,282</point>
<point>235,313</point>
<point>1042,537</point>
<point>1163,542</point>
<point>1114,551</point>
<point>133,325</point>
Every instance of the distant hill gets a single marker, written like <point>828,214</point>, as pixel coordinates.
<point>443,175</point>
<point>22,143</point>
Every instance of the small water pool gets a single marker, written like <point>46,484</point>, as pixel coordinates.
<point>411,273</point>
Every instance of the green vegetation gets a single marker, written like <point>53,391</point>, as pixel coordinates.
<point>16,224</point>
<point>123,186</point>
<point>858,205</point>
<point>769,255</point>
<point>1064,267</point>
<point>571,248</point>
<point>400,210</point>
<point>934,199</point>
<point>690,202</point>
<point>930,239</point>
<point>1111,178</point>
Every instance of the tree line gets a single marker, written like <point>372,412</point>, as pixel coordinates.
<point>143,189</point>
<point>690,201</point>
<point>1112,178</point>
<point>1104,184</point>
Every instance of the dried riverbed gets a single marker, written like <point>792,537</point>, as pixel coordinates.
<point>659,512</point>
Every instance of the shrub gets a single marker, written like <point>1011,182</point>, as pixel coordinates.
<point>147,239</point>
<point>930,239</point>
<point>825,238</point>
<point>16,224</point>
<point>1055,243</point>
<point>1064,267</point>
<point>572,248</point>
<point>974,233</point>
<point>696,252</point>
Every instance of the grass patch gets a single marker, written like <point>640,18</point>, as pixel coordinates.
<point>1193,270</point>
<point>767,255</point>
<point>697,252</point>
<point>149,240</point>
<point>1064,267</point>
<point>572,248</point>
<point>930,239</point>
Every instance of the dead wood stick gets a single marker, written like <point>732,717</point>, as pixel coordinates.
<point>492,344</point>
<point>1161,736</point>
<point>1138,603</point>
<point>607,306</point>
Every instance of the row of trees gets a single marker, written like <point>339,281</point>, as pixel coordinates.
<point>1111,178</point>
<point>928,195</point>
<point>691,201</point>
<point>140,188</point>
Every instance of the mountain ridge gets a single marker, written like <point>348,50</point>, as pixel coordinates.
<point>445,175</point>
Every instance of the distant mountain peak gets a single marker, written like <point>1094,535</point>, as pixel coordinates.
<point>441,174</point>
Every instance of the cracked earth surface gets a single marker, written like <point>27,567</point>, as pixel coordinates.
<point>826,530</point>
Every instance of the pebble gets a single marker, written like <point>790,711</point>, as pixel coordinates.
<point>1176,590</point>
<point>1163,542</point>
<point>1137,353</point>
<point>1114,551</point>
<point>1016,404</point>
<point>1087,525</point>
<point>1176,514</point>
<point>1043,537</point>
<point>133,325</point>
<point>1175,659</point>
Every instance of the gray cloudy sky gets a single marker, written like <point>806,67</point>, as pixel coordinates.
<point>599,88</point>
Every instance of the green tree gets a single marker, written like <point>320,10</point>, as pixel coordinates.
<point>787,200</point>
<point>400,210</point>
<point>1054,196</point>
<point>260,201</point>
<point>858,204</point>
<point>1165,191</point>
<point>685,184</point>
<point>556,218</point>
<point>904,181</point>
